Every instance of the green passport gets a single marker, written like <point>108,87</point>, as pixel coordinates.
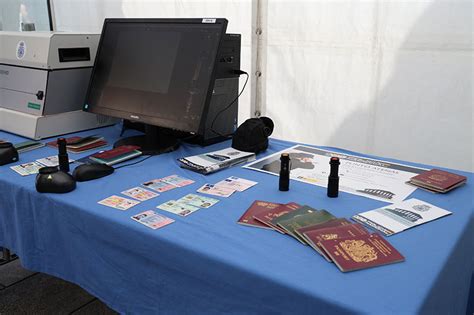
<point>301,210</point>
<point>302,220</point>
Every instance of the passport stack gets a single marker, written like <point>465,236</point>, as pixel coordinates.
<point>348,245</point>
<point>438,181</point>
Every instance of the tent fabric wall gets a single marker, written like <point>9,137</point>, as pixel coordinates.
<point>15,12</point>
<point>390,78</point>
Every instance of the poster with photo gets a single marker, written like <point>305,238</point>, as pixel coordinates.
<point>376,179</point>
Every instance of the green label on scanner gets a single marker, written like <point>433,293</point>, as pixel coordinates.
<point>34,106</point>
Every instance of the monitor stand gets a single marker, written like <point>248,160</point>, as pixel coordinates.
<point>156,140</point>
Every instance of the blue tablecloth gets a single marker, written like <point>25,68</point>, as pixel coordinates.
<point>206,263</point>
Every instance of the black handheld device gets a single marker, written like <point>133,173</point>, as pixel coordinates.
<point>86,172</point>
<point>8,153</point>
<point>63,157</point>
<point>52,180</point>
<point>333,179</point>
<point>284,184</point>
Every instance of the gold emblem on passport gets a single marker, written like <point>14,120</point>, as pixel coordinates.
<point>331,236</point>
<point>358,250</point>
<point>438,177</point>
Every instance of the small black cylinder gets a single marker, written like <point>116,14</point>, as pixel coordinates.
<point>333,179</point>
<point>284,184</point>
<point>63,157</point>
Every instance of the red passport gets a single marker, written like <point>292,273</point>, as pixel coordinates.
<point>111,154</point>
<point>314,237</point>
<point>266,217</point>
<point>438,180</point>
<point>256,207</point>
<point>80,144</point>
<point>328,224</point>
<point>361,251</point>
<point>88,147</point>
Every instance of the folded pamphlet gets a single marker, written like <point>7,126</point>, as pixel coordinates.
<point>398,217</point>
<point>213,161</point>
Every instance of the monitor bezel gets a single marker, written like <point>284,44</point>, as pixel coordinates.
<point>147,119</point>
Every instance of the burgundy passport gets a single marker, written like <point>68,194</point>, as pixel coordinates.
<point>328,224</point>
<point>361,251</point>
<point>266,217</point>
<point>438,179</point>
<point>314,237</point>
<point>257,207</point>
<point>118,151</point>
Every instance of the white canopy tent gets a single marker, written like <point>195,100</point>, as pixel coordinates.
<point>390,78</point>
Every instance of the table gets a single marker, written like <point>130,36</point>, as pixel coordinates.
<point>207,264</point>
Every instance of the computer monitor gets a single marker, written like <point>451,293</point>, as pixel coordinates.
<point>160,72</point>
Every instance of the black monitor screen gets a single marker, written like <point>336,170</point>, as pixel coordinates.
<point>155,71</point>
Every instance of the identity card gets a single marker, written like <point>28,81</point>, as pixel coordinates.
<point>177,180</point>
<point>152,219</point>
<point>236,183</point>
<point>211,189</point>
<point>119,202</point>
<point>159,185</point>
<point>198,201</point>
<point>140,193</point>
<point>51,161</point>
<point>175,207</point>
<point>27,168</point>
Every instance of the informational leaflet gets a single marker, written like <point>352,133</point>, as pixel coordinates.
<point>366,177</point>
<point>398,217</point>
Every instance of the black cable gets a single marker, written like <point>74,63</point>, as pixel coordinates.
<point>130,164</point>
<point>231,103</point>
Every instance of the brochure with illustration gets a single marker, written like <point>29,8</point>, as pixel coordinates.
<point>398,217</point>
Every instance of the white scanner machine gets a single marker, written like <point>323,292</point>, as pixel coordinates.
<point>44,78</point>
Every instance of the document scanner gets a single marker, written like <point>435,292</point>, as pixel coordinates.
<point>43,83</point>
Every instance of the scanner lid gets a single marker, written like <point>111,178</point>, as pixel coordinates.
<point>48,50</point>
